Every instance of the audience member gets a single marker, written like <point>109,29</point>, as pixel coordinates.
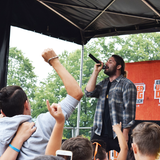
<point>146,141</point>
<point>15,105</point>
<point>81,148</point>
<point>47,157</point>
<point>99,151</point>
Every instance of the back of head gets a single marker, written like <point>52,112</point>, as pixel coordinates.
<point>147,137</point>
<point>12,99</point>
<point>101,151</point>
<point>81,148</point>
<point>119,60</point>
<point>48,157</point>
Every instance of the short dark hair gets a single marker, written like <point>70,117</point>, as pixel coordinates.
<point>147,137</point>
<point>48,157</point>
<point>12,99</point>
<point>101,152</point>
<point>119,60</point>
<point>80,146</point>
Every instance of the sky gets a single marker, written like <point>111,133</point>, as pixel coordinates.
<point>32,44</point>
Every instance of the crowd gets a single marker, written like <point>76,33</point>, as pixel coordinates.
<point>22,139</point>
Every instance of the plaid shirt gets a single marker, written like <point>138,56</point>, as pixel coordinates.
<point>122,103</point>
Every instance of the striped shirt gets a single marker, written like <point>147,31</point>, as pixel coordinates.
<point>122,103</point>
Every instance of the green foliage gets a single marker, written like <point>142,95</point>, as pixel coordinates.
<point>86,136</point>
<point>132,48</point>
<point>20,72</point>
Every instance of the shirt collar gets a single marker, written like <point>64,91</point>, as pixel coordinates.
<point>119,78</point>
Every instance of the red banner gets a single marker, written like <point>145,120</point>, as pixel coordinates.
<point>146,76</point>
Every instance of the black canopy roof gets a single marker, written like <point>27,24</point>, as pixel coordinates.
<point>75,20</point>
<point>80,20</point>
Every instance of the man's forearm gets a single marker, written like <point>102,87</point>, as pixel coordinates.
<point>71,85</point>
<point>55,141</point>
<point>92,82</point>
<point>125,133</point>
<point>69,82</point>
<point>11,154</point>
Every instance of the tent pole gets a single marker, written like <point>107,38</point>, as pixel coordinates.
<point>79,105</point>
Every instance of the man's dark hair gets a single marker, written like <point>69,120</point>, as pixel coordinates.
<point>147,137</point>
<point>12,99</point>
<point>81,148</point>
<point>119,60</point>
<point>48,157</point>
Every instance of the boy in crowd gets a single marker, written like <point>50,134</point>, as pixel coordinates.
<point>146,141</point>
<point>16,108</point>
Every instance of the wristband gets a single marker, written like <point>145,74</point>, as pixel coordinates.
<point>14,148</point>
<point>52,58</point>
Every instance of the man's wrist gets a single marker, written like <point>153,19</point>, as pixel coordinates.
<point>18,139</point>
<point>54,62</point>
<point>126,130</point>
<point>95,74</point>
<point>52,58</point>
<point>17,142</point>
<point>61,122</point>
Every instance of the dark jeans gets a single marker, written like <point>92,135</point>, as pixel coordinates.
<point>111,144</point>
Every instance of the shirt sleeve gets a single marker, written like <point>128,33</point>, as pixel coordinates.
<point>129,99</point>
<point>95,93</point>
<point>45,122</point>
<point>68,105</point>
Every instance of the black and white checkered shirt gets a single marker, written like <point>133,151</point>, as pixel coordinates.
<point>122,102</point>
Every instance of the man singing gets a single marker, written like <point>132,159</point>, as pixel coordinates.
<point>116,101</point>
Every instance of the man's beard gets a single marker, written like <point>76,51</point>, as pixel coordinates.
<point>111,71</point>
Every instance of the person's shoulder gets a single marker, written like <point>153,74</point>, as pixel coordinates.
<point>104,80</point>
<point>128,82</point>
<point>16,119</point>
<point>9,126</point>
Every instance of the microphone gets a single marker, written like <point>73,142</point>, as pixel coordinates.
<point>96,60</point>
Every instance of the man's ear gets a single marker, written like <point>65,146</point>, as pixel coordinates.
<point>119,66</point>
<point>3,113</point>
<point>27,108</point>
<point>26,105</point>
<point>135,148</point>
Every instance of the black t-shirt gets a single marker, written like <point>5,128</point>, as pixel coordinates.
<point>107,127</point>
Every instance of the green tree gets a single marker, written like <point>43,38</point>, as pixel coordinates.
<point>133,48</point>
<point>20,72</point>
